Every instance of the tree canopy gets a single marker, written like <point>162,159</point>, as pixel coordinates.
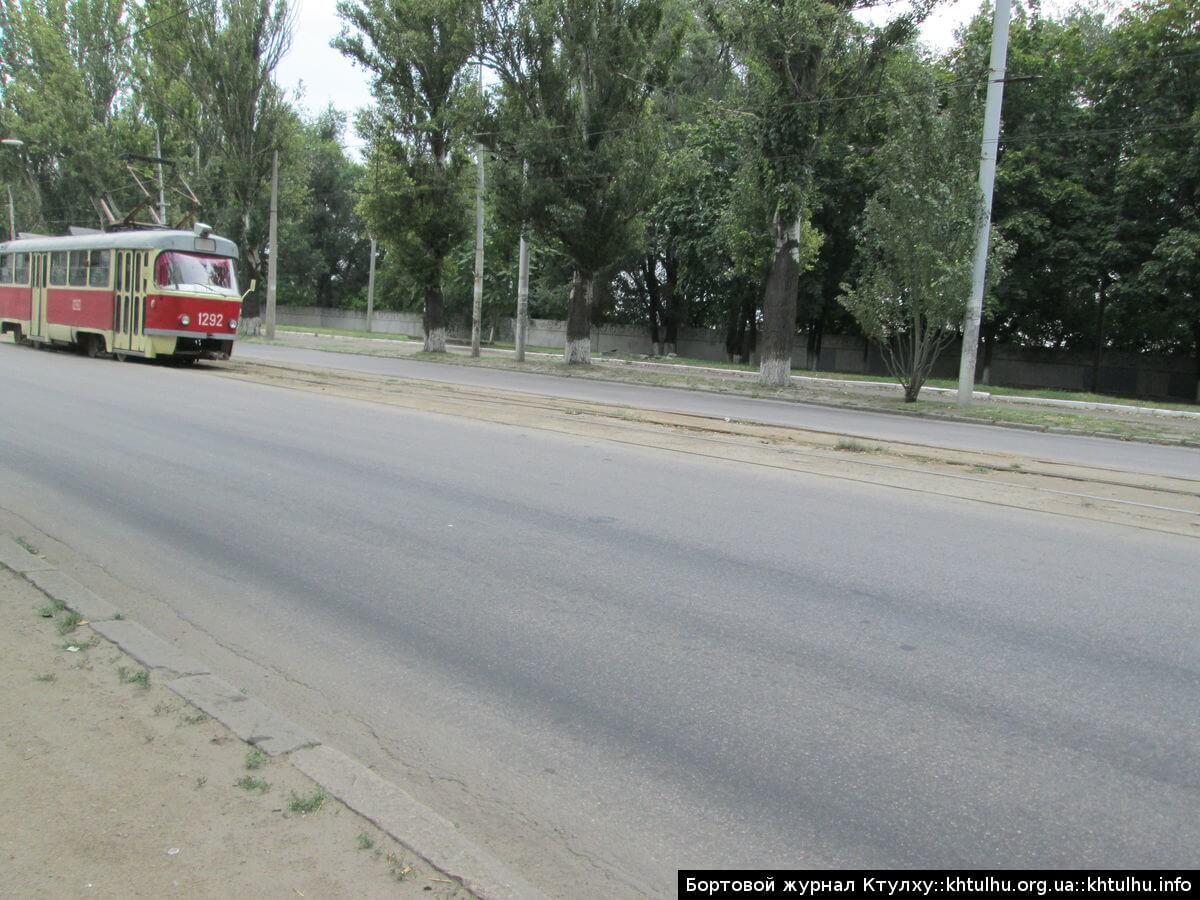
<point>676,163</point>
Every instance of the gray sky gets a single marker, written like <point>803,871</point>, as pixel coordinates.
<point>328,77</point>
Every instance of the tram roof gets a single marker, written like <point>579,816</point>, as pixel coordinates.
<point>149,239</point>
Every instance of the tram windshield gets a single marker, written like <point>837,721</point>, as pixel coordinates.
<point>196,272</point>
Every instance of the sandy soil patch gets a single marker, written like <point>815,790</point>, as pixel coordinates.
<point>117,788</point>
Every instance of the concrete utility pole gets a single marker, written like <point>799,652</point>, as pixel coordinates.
<point>162,197</point>
<point>371,290</point>
<point>523,287</point>
<point>477,303</point>
<point>273,258</point>
<point>15,143</point>
<point>522,298</point>
<point>987,179</point>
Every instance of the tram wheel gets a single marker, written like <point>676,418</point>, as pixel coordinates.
<point>120,357</point>
<point>94,346</point>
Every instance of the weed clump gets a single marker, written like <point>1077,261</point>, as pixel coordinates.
<point>140,677</point>
<point>69,622</point>
<point>250,783</point>
<point>307,803</point>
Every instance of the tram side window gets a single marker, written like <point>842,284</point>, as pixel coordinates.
<point>98,268</point>
<point>78,268</point>
<point>58,268</point>
<point>21,268</point>
<point>6,268</point>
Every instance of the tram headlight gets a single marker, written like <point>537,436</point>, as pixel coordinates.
<point>233,324</point>
<point>185,320</point>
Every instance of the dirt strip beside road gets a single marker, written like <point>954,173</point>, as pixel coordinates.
<point>115,787</point>
<point>846,393</point>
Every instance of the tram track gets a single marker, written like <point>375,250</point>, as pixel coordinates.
<point>1167,504</point>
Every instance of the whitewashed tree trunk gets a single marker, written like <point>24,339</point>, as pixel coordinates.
<point>435,341</point>
<point>578,349</point>
<point>779,304</point>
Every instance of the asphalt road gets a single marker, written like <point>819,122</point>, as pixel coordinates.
<point>606,662</point>
<point>1102,452</point>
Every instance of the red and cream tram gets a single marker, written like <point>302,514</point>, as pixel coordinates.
<point>153,293</point>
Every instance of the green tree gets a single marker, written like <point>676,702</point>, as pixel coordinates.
<point>577,78</point>
<point>917,237</point>
<point>1150,97</point>
<point>208,66</point>
<point>64,91</point>
<point>326,241</point>
<point>417,52</point>
<point>687,273</point>
<point>1054,183</point>
<point>804,59</point>
<point>711,211</point>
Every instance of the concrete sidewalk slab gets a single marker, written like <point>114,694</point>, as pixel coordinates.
<point>20,560</point>
<point>73,595</point>
<point>252,721</point>
<point>413,824</point>
<point>148,648</point>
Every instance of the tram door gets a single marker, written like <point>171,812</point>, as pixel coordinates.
<point>129,314</point>
<point>39,278</point>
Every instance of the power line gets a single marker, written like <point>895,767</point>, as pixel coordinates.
<point>188,8</point>
<point>1136,128</point>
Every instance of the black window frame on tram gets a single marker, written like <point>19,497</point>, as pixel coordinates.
<point>99,264</point>
<point>6,268</point>
<point>58,268</point>
<point>77,264</point>
<point>21,269</point>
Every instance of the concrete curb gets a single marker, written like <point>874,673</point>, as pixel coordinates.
<point>72,594</point>
<point>147,647</point>
<point>252,721</point>
<point>20,560</point>
<point>409,822</point>
<point>423,831</point>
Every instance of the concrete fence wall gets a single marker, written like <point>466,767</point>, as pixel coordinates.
<point>385,322</point>
<point>1157,377</point>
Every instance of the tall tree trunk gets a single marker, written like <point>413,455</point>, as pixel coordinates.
<point>1196,336</point>
<point>779,304</point>
<point>578,350</point>
<point>751,332</point>
<point>735,326</point>
<point>988,337</point>
<point>672,305</point>
<point>653,302</point>
<point>1098,352</point>
<point>434,320</point>
<point>248,269</point>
